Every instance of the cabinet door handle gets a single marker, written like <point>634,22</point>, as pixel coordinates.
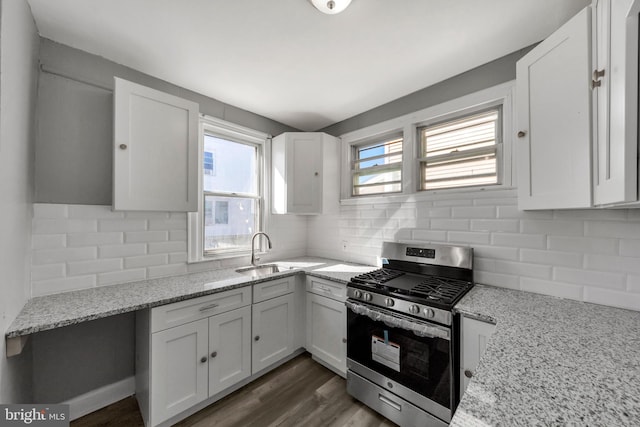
<point>214,354</point>
<point>468,373</point>
<point>203,359</point>
<point>597,74</point>
<point>344,340</point>
<point>522,134</point>
<point>208,307</point>
<point>316,174</point>
<point>257,338</point>
<point>123,146</point>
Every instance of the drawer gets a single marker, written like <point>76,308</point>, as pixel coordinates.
<point>179,313</point>
<point>273,288</point>
<point>327,288</point>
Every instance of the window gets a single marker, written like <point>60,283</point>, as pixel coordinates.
<point>231,195</point>
<point>462,152</point>
<point>377,167</point>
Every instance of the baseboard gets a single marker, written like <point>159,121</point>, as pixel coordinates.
<point>100,397</point>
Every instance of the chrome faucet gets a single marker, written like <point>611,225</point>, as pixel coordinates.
<point>253,250</point>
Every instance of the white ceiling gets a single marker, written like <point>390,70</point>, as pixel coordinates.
<point>285,60</point>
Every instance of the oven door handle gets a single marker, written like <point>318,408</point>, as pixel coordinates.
<point>421,329</point>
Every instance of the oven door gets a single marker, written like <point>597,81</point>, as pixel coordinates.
<point>383,346</point>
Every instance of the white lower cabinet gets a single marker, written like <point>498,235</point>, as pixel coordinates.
<point>273,331</point>
<point>474,337</point>
<point>327,331</point>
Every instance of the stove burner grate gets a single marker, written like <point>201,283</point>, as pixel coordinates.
<point>437,288</point>
<point>377,277</point>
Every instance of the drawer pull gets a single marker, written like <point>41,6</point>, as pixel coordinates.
<point>390,402</point>
<point>203,359</point>
<point>468,373</point>
<point>208,307</point>
<point>257,338</point>
<point>214,354</point>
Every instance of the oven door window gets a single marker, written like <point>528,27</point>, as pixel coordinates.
<point>419,363</point>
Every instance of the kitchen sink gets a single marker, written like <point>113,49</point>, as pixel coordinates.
<point>261,270</point>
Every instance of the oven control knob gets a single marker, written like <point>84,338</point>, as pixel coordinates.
<point>367,296</point>
<point>357,293</point>
<point>414,309</point>
<point>429,313</point>
<point>389,302</point>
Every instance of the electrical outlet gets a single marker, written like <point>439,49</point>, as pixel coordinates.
<point>344,245</point>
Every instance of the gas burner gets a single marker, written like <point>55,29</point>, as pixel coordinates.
<point>441,289</point>
<point>377,277</point>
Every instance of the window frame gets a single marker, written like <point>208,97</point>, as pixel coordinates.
<point>408,125</point>
<point>195,220</point>
<point>381,140</point>
<point>458,115</point>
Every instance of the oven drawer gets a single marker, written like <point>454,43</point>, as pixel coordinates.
<point>327,288</point>
<point>388,404</point>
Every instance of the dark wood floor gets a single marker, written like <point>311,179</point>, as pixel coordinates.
<point>299,393</point>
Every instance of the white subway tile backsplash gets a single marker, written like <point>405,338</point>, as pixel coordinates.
<point>633,283</point>
<point>121,225</point>
<point>468,237</point>
<point>483,212</point>
<point>556,289</point>
<point>523,269</point>
<point>54,286</point>
<point>178,235</point>
<point>593,214</point>
<point>45,210</point>
<point>63,225</point>
<point>450,224</point>
<point>583,245</point>
<point>430,212</point>
<point>93,212</point>
<point>497,279</point>
<point>611,229</point>
<point>166,270</point>
<point>120,251</point>
<point>533,241</point>
<point>177,257</point>
<point>551,257</point>
<point>123,276</point>
<point>428,235</point>
<point>48,271</point>
<point>173,224</point>
<point>495,252</point>
<point>146,260</point>
<point>146,236</point>
<point>612,298</point>
<point>553,227</point>
<point>147,215</point>
<point>612,263</point>
<point>590,277</point>
<point>514,212</point>
<point>505,225</point>
<point>48,241</point>
<point>93,239</point>
<point>166,247</point>
<point>630,248</point>
<point>77,268</point>
<point>54,256</point>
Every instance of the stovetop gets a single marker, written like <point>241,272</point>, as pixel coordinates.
<point>436,291</point>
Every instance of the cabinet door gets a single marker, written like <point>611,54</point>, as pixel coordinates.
<point>616,101</point>
<point>554,119</point>
<point>474,337</point>
<point>155,159</point>
<point>273,331</point>
<point>179,363</point>
<point>327,331</point>
<point>304,173</point>
<point>229,349</point>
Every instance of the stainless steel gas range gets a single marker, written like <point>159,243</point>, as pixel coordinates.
<point>402,338</point>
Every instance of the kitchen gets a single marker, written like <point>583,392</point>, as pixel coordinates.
<point>55,96</point>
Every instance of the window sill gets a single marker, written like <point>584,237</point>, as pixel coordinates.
<point>421,196</point>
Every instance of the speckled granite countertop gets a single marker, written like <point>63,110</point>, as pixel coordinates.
<point>54,311</point>
<point>552,362</point>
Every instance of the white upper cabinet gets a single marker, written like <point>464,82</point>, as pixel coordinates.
<point>155,157</point>
<point>615,100</point>
<point>578,112</point>
<point>554,120</point>
<point>305,173</point>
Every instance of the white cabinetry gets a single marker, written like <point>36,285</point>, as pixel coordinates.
<point>273,324</point>
<point>554,149</point>
<point>327,323</point>
<point>191,350</point>
<point>305,173</point>
<point>474,337</point>
<point>155,157</point>
<point>578,112</point>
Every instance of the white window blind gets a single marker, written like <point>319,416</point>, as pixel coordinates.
<point>377,168</point>
<point>462,152</point>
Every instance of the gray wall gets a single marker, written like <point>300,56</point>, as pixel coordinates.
<point>18,80</point>
<point>74,130</point>
<point>491,74</point>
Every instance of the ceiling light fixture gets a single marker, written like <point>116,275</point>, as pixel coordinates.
<point>330,7</point>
